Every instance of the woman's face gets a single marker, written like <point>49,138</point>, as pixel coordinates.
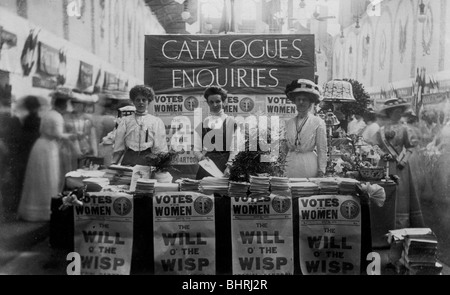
<point>301,101</point>
<point>396,114</point>
<point>141,103</point>
<point>215,103</point>
<point>77,107</point>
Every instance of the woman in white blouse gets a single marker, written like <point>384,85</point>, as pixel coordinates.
<point>141,133</point>
<point>306,140</point>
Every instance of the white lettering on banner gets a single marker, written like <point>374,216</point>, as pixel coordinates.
<point>330,234</point>
<point>262,235</point>
<point>104,233</point>
<point>269,48</point>
<point>225,77</point>
<point>183,232</point>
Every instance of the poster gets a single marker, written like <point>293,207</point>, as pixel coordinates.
<point>262,235</point>
<point>184,233</point>
<point>104,233</point>
<point>330,235</point>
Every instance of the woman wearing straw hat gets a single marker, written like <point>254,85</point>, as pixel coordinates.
<point>306,140</point>
<point>397,141</point>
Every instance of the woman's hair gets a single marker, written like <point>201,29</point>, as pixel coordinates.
<point>31,103</point>
<point>60,102</point>
<point>311,97</point>
<point>143,90</point>
<point>215,90</point>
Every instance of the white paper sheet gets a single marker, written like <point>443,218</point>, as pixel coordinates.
<point>211,167</point>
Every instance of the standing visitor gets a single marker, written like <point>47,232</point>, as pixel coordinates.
<point>139,134</point>
<point>43,178</point>
<point>397,141</point>
<point>306,138</point>
<point>80,123</point>
<point>369,133</point>
<point>218,134</point>
<point>356,125</point>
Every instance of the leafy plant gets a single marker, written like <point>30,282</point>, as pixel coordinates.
<point>362,100</point>
<point>162,162</point>
<point>248,162</point>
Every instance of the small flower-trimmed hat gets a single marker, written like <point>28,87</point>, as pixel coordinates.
<point>392,103</point>
<point>306,86</point>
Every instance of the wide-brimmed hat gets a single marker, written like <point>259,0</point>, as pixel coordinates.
<point>305,86</point>
<point>84,98</point>
<point>393,103</point>
<point>62,93</point>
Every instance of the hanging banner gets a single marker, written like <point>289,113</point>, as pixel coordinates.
<point>330,235</point>
<point>85,76</point>
<point>184,234</point>
<point>262,235</point>
<point>104,233</point>
<point>242,64</point>
<point>48,60</point>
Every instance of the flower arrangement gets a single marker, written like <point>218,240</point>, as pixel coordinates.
<point>162,162</point>
<point>249,161</point>
<point>357,155</point>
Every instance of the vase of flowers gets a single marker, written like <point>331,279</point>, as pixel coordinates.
<point>161,164</point>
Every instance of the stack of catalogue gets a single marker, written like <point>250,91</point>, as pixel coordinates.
<point>419,250</point>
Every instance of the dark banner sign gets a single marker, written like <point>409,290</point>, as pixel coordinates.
<point>242,64</point>
<point>48,60</point>
<point>85,76</point>
<point>111,82</point>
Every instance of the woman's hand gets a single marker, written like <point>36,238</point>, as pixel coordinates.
<point>320,174</point>
<point>226,172</point>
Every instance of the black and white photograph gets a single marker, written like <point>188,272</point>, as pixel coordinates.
<point>225,145</point>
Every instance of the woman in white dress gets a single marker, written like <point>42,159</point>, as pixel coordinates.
<point>306,140</point>
<point>43,177</point>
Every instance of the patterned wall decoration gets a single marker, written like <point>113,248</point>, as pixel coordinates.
<point>383,46</point>
<point>427,30</point>
<point>350,55</point>
<point>403,32</point>
<point>365,52</point>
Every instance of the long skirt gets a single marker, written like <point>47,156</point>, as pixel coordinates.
<point>42,181</point>
<point>408,209</point>
<point>301,165</point>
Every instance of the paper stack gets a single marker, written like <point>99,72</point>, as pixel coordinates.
<point>259,184</point>
<point>210,185</point>
<point>304,189</point>
<point>327,186</point>
<point>146,186</point>
<point>347,185</point>
<point>166,187</point>
<point>119,175</point>
<point>188,184</point>
<point>418,250</point>
<point>238,189</point>
<point>279,185</point>
<point>420,254</point>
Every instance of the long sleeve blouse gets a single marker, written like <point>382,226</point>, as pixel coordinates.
<point>140,133</point>
<point>312,137</point>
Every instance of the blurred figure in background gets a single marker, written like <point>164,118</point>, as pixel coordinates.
<point>23,133</point>
<point>397,141</point>
<point>369,133</point>
<point>79,123</point>
<point>356,125</point>
<point>43,177</point>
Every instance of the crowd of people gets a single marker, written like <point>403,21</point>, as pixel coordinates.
<point>40,148</point>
